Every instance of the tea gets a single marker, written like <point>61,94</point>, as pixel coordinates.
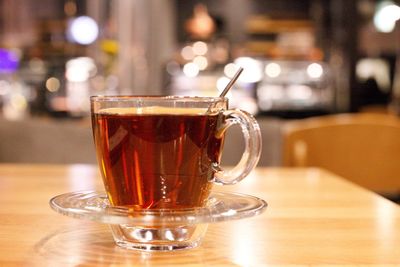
<point>157,157</point>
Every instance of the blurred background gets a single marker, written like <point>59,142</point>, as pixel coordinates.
<point>301,59</point>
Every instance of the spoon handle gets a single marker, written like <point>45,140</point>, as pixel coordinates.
<point>230,84</point>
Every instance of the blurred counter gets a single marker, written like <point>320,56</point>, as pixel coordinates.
<point>38,140</point>
<point>283,88</point>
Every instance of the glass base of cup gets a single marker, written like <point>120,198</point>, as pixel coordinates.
<point>158,238</point>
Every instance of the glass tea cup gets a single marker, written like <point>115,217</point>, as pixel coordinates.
<point>162,154</point>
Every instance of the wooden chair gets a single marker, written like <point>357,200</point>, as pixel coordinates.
<point>364,148</point>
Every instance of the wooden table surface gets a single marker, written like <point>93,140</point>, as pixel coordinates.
<point>313,218</point>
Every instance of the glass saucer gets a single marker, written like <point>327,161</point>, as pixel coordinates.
<point>221,206</point>
<point>157,230</point>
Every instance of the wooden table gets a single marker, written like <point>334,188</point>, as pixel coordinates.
<point>313,218</point>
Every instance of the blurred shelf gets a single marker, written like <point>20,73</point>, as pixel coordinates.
<point>265,25</point>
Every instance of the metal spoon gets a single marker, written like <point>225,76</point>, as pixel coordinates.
<point>230,84</point>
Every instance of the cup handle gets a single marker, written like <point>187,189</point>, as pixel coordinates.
<point>252,138</point>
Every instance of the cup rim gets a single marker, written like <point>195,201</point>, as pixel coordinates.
<point>110,98</point>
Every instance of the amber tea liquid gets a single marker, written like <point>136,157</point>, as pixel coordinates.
<point>156,157</point>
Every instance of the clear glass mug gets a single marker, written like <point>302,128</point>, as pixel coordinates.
<point>163,153</point>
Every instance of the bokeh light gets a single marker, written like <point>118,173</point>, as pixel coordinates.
<point>315,70</point>
<point>201,62</point>
<point>252,72</point>
<point>83,30</point>
<point>200,48</point>
<point>386,16</point>
<point>53,84</point>
<point>273,70</point>
<point>230,70</point>
<point>187,53</point>
<point>190,69</point>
